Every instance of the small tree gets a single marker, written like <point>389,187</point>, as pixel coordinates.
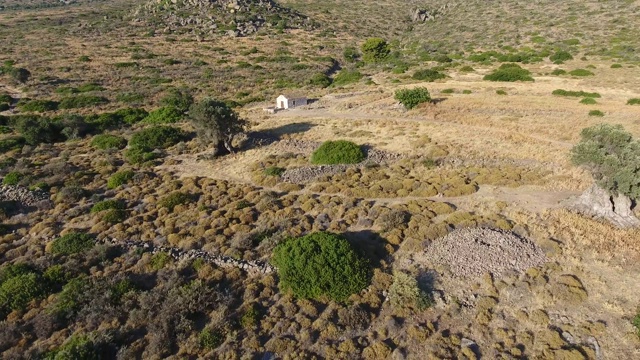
<point>375,50</point>
<point>612,156</point>
<point>411,98</point>
<point>216,123</point>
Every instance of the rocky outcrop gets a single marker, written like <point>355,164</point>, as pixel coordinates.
<point>251,267</point>
<point>599,203</point>
<point>208,17</point>
<point>23,196</point>
<point>424,15</point>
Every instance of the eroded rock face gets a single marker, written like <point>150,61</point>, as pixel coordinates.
<point>598,203</point>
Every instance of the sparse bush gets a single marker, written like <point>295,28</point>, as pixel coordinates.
<point>159,261</point>
<point>636,322</point>
<point>20,75</point>
<point>119,178</point>
<point>174,199</point>
<point>350,54</point>
<point>428,75</point>
<point>560,92</point>
<point>37,105</point>
<point>129,97</point>
<point>581,72</point>
<point>320,264</point>
<point>611,155</point>
<point>250,317</point>
<point>71,193</point>
<point>274,171</point>
<point>501,92</point>
<point>404,292</point>
<point>12,178</point>
<point>216,123</point>
<point>509,73</point>
<point>337,152</point>
<point>157,137</point>
<point>411,98</point>
<point>72,243</point>
<point>84,58</point>
<point>76,348</point>
<point>211,338</point>
<point>588,101</point>
<point>164,115</point>
<point>560,56</point>
<point>634,101</point>
<point>375,50</point>
<point>82,101</point>
<point>347,76</point>
<point>106,141</point>
<point>596,113</point>
<point>320,80</point>
<point>466,68</point>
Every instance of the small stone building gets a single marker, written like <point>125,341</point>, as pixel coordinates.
<point>290,101</point>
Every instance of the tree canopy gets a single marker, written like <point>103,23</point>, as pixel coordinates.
<point>216,123</point>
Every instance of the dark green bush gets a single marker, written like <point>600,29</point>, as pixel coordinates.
<point>72,243</point>
<point>106,141</point>
<point>428,75</point>
<point>560,57</point>
<point>320,80</point>
<point>20,75</point>
<point>6,99</point>
<point>320,264</point>
<point>411,98</point>
<point>375,50</point>
<point>12,270</point>
<point>588,101</point>
<point>108,205</point>
<point>274,171</point>
<point>596,113</point>
<point>56,275</point>
<point>179,99</point>
<point>139,156</point>
<point>581,72</point>
<point>611,155</point>
<point>37,105</point>
<point>36,130</point>
<point>337,152</point>
<point>211,338</point>
<point>616,66</point>
<point>105,121</point>
<point>132,115</point>
<point>164,115</point>
<point>157,137</point>
<point>18,291</point>
<point>634,101</point>
<point>558,72</point>
<point>82,101</point>
<point>119,178</point>
<point>71,298</point>
<point>346,76</point>
<point>114,216</point>
<point>510,73</point>
<point>174,199</point>
<point>12,178</point>
<point>560,92</point>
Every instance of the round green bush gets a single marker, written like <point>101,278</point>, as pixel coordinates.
<point>72,243</point>
<point>428,75</point>
<point>174,199</point>
<point>114,216</point>
<point>12,178</point>
<point>108,205</point>
<point>337,152</point>
<point>509,73</point>
<point>157,137</point>
<point>634,101</point>
<point>616,66</point>
<point>106,141</point>
<point>588,101</point>
<point>164,115</point>
<point>411,98</point>
<point>18,291</point>
<point>560,57</point>
<point>320,264</point>
<point>580,72</point>
<point>119,178</point>
<point>596,113</point>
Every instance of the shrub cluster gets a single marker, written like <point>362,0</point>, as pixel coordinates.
<point>157,137</point>
<point>106,141</point>
<point>560,57</point>
<point>37,105</point>
<point>12,178</point>
<point>347,76</point>
<point>108,205</point>
<point>320,264</point>
<point>119,178</point>
<point>82,101</point>
<point>634,101</point>
<point>428,75</point>
<point>174,199</point>
<point>581,72</point>
<point>19,289</point>
<point>588,101</point>
<point>337,152</point>
<point>411,98</point>
<point>375,50</point>
<point>510,73</point>
<point>72,243</point>
<point>164,115</point>
<point>561,92</point>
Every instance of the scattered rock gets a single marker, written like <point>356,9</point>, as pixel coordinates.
<point>23,195</point>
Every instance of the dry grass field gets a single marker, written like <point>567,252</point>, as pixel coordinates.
<point>480,154</point>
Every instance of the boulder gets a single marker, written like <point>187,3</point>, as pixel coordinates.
<point>599,203</point>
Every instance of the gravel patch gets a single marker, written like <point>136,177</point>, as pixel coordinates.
<point>472,252</point>
<point>22,195</point>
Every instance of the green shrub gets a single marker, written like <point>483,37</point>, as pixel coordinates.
<point>611,155</point>
<point>337,152</point>
<point>467,92</point>
<point>411,98</point>
<point>164,115</point>
<point>71,298</point>
<point>82,101</point>
<point>616,66</point>
<point>129,97</point>
<point>90,87</point>
<point>320,264</point>
<point>428,75</point>
<point>159,260</point>
<point>560,57</point>
<point>404,292</point>
<point>588,101</point>
<point>174,199</point>
<point>250,317</point>
<point>581,72</point>
<point>596,113</point>
<point>132,115</point>
<point>442,58</point>
<point>36,130</point>
<point>350,54</point>
<point>84,58</point>
<point>120,289</point>
<point>466,68</point>
<point>139,156</point>
<point>636,322</point>
<point>274,171</point>
<point>18,291</point>
<point>37,105</point>
<point>12,270</point>
<point>509,73</point>
<point>558,72</point>
<point>4,107</point>
<point>114,216</point>
<point>375,50</point>
<point>560,92</point>
<point>501,92</point>
<point>76,348</point>
<point>346,76</point>
<point>106,141</point>
<point>108,205</point>
<point>211,338</point>
<point>157,137</point>
<point>119,178</point>
<point>320,80</point>
<point>179,99</point>
<point>72,243</point>
<point>447,91</point>
<point>122,65</point>
<point>6,98</point>
<point>56,275</point>
<point>12,178</point>
<point>634,101</point>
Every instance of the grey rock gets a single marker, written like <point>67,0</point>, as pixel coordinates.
<point>598,203</point>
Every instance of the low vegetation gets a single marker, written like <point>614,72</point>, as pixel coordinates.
<point>411,98</point>
<point>337,152</point>
<point>72,243</point>
<point>584,94</point>
<point>509,73</point>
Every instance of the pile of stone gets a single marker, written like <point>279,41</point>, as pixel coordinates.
<point>251,267</point>
<point>472,252</point>
<point>22,195</point>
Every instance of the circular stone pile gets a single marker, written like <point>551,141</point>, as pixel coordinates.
<point>472,252</point>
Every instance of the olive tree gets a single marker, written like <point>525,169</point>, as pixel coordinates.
<point>216,123</point>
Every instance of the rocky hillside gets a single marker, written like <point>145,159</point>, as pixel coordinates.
<point>209,17</point>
